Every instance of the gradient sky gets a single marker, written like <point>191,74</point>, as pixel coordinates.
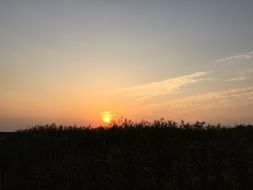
<point>67,61</point>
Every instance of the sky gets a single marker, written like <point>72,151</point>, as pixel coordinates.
<point>70,61</point>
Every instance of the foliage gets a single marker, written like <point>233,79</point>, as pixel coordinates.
<point>127,155</point>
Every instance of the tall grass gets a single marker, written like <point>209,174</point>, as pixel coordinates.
<point>127,155</point>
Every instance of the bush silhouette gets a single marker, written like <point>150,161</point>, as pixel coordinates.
<point>127,155</point>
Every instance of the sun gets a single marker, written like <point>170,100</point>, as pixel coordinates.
<point>107,119</point>
<point>106,116</point>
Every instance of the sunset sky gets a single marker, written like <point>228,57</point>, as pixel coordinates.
<point>71,61</point>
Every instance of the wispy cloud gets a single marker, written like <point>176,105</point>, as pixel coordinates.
<point>236,79</point>
<point>162,87</point>
<point>211,98</point>
<point>249,70</point>
<point>224,105</point>
<point>239,57</point>
<point>220,96</point>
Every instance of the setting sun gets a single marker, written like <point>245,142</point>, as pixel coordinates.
<point>106,116</point>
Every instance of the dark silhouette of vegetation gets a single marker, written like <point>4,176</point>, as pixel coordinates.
<point>159,155</point>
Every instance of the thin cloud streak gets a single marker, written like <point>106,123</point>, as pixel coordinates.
<point>236,79</point>
<point>220,96</point>
<point>249,70</point>
<point>238,94</point>
<point>239,57</point>
<point>162,87</point>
